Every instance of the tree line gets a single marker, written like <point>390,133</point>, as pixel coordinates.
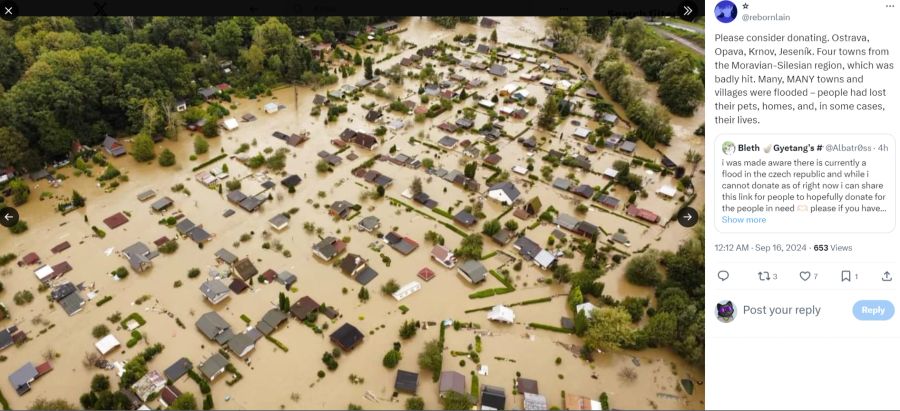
<point>68,79</point>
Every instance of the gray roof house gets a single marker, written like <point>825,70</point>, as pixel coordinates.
<point>161,204</point>
<point>526,247</point>
<point>226,256</point>
<point>566,221</point>
<point>406,381</point>
<point>113,147</point>
<point>627,147</point>
<point>498,70</point>
<point>139,256</point>
<point>271,321</point>
<point>286,278</point>
<point>368,224</point>
<point>178,369</point>
<point>505,192</point>
<point>473,271</point>
<point>213,366</point>
<point>22,378</point>
<point>464,218</point>
<point>184,226</point>
<point>242,344</point>
<point>328,248</point>
<point>492,398</point>
<point>215,291</point>
<point>452,381</point>
<point>214,327</point>
<point>562,183</point>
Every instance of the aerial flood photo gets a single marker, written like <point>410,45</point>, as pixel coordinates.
<point>351,213</point>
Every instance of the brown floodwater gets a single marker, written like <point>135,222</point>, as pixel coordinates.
<point>272,376</point>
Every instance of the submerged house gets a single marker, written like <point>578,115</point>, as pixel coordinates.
<point>347,337</point>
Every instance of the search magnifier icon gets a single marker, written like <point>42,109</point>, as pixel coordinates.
<point>723,275</point>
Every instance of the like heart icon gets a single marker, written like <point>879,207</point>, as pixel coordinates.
<point>804,275</point>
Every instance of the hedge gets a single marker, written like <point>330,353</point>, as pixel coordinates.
<point>550,328</point>
<point>133,316</point>
<point>104,300</point>
<point>277,343</point>
<point>210,161</point>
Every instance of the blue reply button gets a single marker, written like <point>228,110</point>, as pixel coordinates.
<point>873,310</point>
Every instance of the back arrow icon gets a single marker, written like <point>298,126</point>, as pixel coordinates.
<point>8,217</point>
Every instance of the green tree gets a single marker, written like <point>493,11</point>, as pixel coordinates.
<point>210,129</point>
<point>142,148</point>
<point>100,382</point>
<point>20,191</point>
<point>228,39</point>
<point>680,88</point>
<point>634,306</point>
<point>494,36</point>
<point>415,403</point>
<point>56,404</point>
<point>77,199</point>
<point>391,359</point>
<point>98,332</point>
<point>643,270</point>
<point>547,116</point>
<point>604,401</point>
<point>470,169</point>
<point>511,225</point>
<point>566,32</point>
<point>201,146</point>
<point>471,247</point>
<point>453,400</point>
<point>367,64</point>
<point>363,294</point>
<point>167,158</point>
<point>416,186</point>
<point>431,358</point>
<point>357,59</point>
<point>408,329</point>
<point>14,148</point>
<point>185,401</point>
<point>490,227</point>
<point>661,329</point>
<point>575,297</point>
<point>610,329</point>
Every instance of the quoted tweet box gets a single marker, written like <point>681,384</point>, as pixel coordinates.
<point>804,183</point>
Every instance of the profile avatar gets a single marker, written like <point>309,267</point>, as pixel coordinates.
<point>725,311</point>
<point>728,148</point>
<point>725,11</point>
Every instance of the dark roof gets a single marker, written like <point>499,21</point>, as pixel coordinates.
<point>178,369</point>
<point>493,397</point>
<point>214,364</point>
<point>291,181</point>
<point>584,190</point>
<point>527,248</point>
<point>474,270</point>
<point>347,134</point>
<point>347,337</point>
<point>527,385</point>
<point>464,218</point>
<point>199,235</point>
<point>245,268</point>
<point>115,220</point>
<point>303,307</point>
<point>452,381</point>
<point>586,228</point>
<point>366,275</point>
<point>508,188</point>
<point>62,291</point>
<point>406,381</point>
<point>238,286</point>
<point>373,115</point>
<point>270,321</point>
<point>184,226</point>
<point>351,262</point>
<point>161,204</point>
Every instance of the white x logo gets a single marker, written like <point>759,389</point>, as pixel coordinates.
<point>8,10</point>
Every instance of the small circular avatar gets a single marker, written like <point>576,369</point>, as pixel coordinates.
<point>725,11</point>
<point>729,148</point>
<point>725,311</point>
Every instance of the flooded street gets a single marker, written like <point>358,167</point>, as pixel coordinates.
<point>272,377</point>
